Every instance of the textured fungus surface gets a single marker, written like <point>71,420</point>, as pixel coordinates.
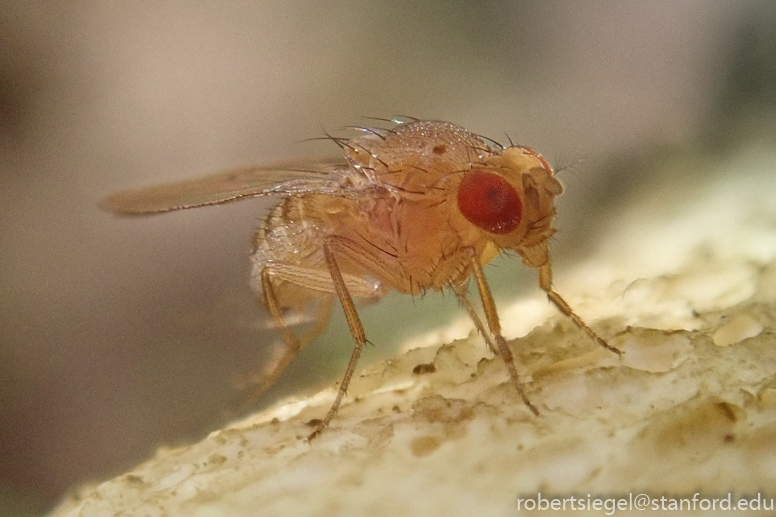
<point>688,292</point>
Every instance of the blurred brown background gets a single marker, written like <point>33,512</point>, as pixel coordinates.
<point>120,335</point>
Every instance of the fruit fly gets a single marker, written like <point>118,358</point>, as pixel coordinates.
<point>421,206</point>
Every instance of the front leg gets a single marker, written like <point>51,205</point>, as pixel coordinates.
<point>545,282</point>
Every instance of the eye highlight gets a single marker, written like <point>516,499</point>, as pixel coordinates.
<point>489,201</point>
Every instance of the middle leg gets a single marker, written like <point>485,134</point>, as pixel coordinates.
<point>491,316</point>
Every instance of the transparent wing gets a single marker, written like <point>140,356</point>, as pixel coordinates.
<point>333,177</point>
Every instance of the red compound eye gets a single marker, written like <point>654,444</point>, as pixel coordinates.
<point>490,202</point>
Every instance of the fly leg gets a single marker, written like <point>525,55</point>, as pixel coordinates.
<point>335,246</point>
<point>321,321</point>
<point>460,292</point>
<point>491,316</point>
<point>315,279</point>
<point>545,282</point>
<point>293,344</point>
<point>345,286</point>
<point>356,329</point>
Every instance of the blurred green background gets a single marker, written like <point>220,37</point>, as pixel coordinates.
<point>121,335</point>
